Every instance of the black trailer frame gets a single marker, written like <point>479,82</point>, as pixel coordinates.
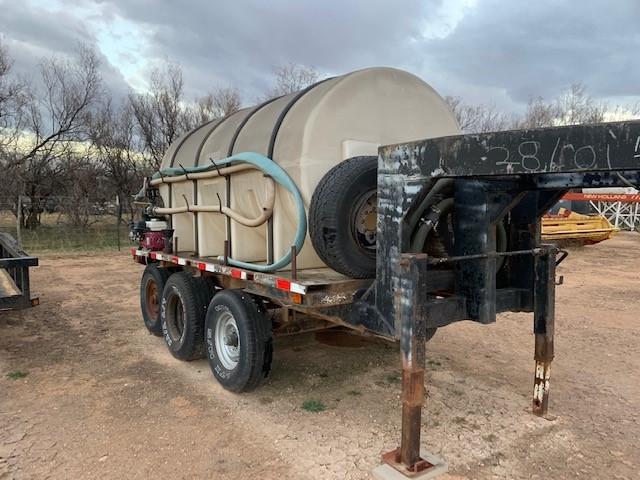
<point>512,177</point>
<point>15,290</point>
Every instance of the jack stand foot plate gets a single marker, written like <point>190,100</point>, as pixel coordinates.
<point>435,467</point>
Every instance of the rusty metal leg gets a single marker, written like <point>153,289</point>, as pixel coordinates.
<point>412,395</point>
<point>412,348</point>
<point>543,326</point>
<point>410,300</point>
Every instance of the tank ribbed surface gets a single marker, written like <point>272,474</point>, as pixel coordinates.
<point>307,133</point>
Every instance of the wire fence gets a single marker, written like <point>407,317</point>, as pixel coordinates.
<point>65,224</point>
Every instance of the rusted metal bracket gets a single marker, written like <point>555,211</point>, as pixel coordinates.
<point>393,459</point>
<point>294,263</point>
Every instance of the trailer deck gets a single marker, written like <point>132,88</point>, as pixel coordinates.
<point>310,287</point>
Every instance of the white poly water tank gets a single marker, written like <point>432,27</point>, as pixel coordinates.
<point>306,133</point>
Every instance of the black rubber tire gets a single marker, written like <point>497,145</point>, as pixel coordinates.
<point>182,313</point>
<point>254,333</point>
<point>331,215</point>
<point>151,286</point>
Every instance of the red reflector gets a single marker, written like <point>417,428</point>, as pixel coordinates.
<point>235,273</point>
<point>174,260</point>
<point>153,255</point>
<point>283,284</point>
<point>202,266</point>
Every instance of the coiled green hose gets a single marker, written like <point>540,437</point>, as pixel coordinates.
<point>276,172</point>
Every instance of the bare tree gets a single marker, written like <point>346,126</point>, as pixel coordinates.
<point>10,116</point>
<point>116,149</point>
<point>56,115</point>
<point>571,107</point>
<point>477,118</point>
<point>290,78</point>
<point>575,106</point>
<point>161,116</point>
<point>59,113</point>
<point>538,114</point>
<point>12,103</point>
<point>217,104</point>
<point>85,190</point>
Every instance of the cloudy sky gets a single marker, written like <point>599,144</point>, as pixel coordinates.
<point>500,51</point>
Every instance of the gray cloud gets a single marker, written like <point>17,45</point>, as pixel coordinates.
<point>538,48</point>
<point>500,51</point>
<point>33,35</point>
<point>242,41</point>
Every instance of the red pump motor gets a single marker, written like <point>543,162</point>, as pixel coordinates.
<point>152,234</point>
<point>156,235</point>
<point>153,241</point>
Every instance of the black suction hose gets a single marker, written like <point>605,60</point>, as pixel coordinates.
<point>440,185</point>
<point>428,222</point>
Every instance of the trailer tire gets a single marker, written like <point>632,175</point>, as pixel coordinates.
<point>343,216</point>
<point>238,340</point>
<point>182,312</point>
<point>151,287</point>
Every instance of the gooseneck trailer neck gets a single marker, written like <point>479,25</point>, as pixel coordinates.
<point>512,177</point>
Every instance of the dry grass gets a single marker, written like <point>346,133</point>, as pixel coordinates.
<point>55,234</point>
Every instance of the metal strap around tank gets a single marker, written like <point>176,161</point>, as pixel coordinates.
<point>230,152</point>
<point>285,110</point>
<point>227,178</point>
<point>184,139</point>
<point>206,137</point>
<point>199,152</point>
<point>272,142</point>
<point>173,158</point>
<point>194,198</point>
<point>244,122</point>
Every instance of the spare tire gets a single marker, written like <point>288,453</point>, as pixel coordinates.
<point>343,217</point>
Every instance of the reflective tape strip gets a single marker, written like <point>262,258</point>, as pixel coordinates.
<point>284,284</point>
<point>280,283</point>
<point>235,273</point>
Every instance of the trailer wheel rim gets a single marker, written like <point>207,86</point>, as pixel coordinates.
<point>227,340</point>
<point>363,221</point>
<point>175,321</point>
<point>152,303</point>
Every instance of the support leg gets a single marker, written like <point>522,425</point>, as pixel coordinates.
<point>543,326</point>
<point>412,347</point>
<point>410,306</point>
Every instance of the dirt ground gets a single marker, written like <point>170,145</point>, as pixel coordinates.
<point>103,399</point>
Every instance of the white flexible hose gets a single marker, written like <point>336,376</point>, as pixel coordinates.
<point>267,210</point>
